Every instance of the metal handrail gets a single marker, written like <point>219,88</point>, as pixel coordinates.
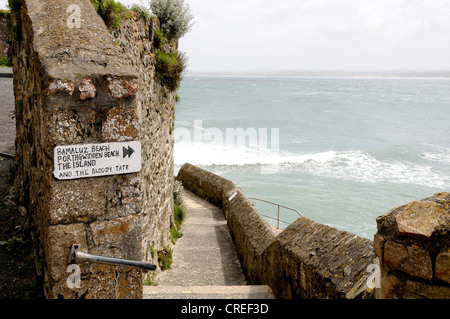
<point>77,256</point>
<point>6,155</point>
<point>278,213</point>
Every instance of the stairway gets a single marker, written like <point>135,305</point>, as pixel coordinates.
<point>205,264</point>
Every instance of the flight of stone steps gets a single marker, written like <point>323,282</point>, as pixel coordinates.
<point>205,264</point>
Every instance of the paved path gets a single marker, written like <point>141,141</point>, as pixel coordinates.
<point>205,264</point>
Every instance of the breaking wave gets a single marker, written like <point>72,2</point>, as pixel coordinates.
<point>350,165</point>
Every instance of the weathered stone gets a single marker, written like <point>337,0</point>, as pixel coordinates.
<point>110,232</point>
<point>79,200</point>
<point>60,240</point>
<point>412,260</point>
<point>87,89</point>
<point>419,219</point>
<point>442,199</point>
<point>443,266</point>
<point>126,287</point>
<point>121,125</point>
<point>417,290</point>
<point>120,87</point>
<point>98,281</point>
<point>394,254</point>
<point>378,246</point>
<point>391,288</point>
<point>58,85</point>
<point>414,234</point>
<point>63,128</point>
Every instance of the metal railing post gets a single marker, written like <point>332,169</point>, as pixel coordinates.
<point>278,217</point>
<point>278,213</point>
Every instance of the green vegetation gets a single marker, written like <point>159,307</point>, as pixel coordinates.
<point>5,14</point>
<point>150,280</point>
<point>179,213</point>
<point>13,244</point>
<point>14,22</point>
<point>14,5</point>
<point>175,20</point>
<point>175,234</point>
<point>159,39</point>
<point>4,61</point>
<point>152,251</point>
<point>165,255</point>
<point>169,68</point>
<point>165,259</point>
<point>111,12</point>
<point>174,16</point>
<point>143,11</point>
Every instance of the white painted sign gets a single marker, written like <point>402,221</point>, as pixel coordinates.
<point>93,160</point>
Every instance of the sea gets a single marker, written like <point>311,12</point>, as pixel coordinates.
<point>339,149</point>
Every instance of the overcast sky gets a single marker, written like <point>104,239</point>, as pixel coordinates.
<point>269,35</point>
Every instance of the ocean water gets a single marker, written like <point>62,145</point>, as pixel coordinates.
<point>342,151</point>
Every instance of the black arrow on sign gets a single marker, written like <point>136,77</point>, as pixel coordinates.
<point>128,151</point>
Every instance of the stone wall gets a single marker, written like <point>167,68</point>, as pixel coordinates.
<point>412,244</point>
<point>156,109</point>
<point>84,85</point>
<point>309,260</point>
<point>306,260</point>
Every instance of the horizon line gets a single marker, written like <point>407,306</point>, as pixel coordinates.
<point>391,73</point>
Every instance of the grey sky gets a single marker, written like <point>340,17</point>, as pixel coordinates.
<point>268,35</point>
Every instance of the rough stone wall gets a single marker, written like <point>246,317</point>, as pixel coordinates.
<point>53,67</point>
<point>156,107</point>
<point>413,246</point>
<point>251,235</point>
<point>309,260</point>
<point>306,260</point>
<point>76,85</point>
<point>206,185</point>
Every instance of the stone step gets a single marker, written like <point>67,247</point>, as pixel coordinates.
<point>208,292</point>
